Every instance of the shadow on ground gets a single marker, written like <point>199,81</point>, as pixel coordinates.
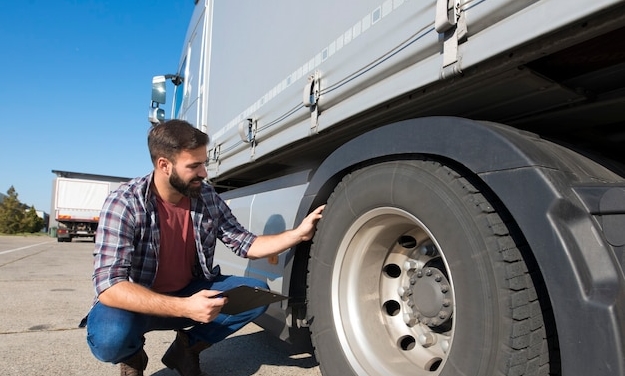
<point>258,349</point>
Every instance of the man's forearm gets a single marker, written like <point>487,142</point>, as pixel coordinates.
<point>269,245</point>
<point>136,298</point>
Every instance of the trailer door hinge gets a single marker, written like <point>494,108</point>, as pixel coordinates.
<point>213,154</point>
<point>311,99</point>
<point>247,132</point>
<point>451,22</point>
<point>212,164</point>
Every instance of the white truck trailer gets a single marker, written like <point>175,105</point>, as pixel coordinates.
<point>77,204</point>
<point>470,155</point>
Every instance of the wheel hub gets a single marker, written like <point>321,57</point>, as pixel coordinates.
<point>429,297</point>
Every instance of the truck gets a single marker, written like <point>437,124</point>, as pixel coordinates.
<point>469,154</point>
<point>77,204</point>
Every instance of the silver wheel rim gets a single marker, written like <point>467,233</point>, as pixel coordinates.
<point>392,296</point>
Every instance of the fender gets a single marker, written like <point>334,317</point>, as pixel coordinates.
<point>552,193</point>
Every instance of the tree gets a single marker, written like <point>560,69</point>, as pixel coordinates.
<point>11,213</point>
<point>32,222</point>
<point>15,218</point>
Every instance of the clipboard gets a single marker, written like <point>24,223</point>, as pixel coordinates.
<point>243,298</point>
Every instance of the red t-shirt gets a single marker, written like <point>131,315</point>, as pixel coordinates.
<point>176,255</point>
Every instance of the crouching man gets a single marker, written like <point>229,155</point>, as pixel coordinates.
<point>153,266</point>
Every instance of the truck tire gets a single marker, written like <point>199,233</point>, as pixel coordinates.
<point>413,271</point>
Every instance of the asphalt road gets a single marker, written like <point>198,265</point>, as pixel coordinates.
<point>45,290</point>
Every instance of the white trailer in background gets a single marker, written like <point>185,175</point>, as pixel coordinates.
<point>77,201</point>
<point>470,155</point>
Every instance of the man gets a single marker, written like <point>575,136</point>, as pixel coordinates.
<point>153,266</point>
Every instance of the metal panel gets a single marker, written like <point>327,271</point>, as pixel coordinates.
<point>227,260</point>
<point>264,213</point>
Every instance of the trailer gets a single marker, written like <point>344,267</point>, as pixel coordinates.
<point>470,155</point>
<point>77,201</point>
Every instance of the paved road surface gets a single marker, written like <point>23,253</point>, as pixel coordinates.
<point>45,289</point>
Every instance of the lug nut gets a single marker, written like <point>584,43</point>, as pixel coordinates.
<point>404,292</point>
<point>410,265</point>
<point>410,319</point>
<point>426,339</point>
<point>445,346</point>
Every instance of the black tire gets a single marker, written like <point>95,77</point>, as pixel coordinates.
<point>414,272</point>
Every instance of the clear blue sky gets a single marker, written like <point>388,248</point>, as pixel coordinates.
<point>75,87</point>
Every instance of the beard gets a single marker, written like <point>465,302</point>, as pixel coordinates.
<point>183,187</point>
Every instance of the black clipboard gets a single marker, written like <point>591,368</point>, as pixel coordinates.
<point>243,298</point>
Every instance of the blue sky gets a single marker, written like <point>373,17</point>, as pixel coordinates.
<point>76,84</point>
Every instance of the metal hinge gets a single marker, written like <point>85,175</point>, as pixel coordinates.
<point>213,154</point>
<point>247,132</point>
<point>311,99</point>
<point>451,22</point>
<point>212,164</point>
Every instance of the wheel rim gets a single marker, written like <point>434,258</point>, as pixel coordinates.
<point>392,296</point>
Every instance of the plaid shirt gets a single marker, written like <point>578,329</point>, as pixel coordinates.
<point>128,235</point>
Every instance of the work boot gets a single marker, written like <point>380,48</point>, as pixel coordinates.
<point>134,365</point>
<point>184,358</point>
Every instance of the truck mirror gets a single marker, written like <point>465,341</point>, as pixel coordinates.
<point>158,89</point>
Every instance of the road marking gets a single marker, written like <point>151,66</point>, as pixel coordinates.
<point>19,249</point>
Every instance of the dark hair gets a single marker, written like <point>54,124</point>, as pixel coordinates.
<point>169,138</point>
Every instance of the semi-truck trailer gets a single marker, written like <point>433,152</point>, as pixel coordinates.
<point>470,156</point>
<point>77,205</point>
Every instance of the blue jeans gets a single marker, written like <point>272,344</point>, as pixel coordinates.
<point>115,334</point>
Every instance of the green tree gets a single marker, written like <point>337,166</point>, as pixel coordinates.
<point>32,222</point>
<point>11,213</point>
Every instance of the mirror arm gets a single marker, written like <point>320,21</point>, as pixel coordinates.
<point>175,79</point>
